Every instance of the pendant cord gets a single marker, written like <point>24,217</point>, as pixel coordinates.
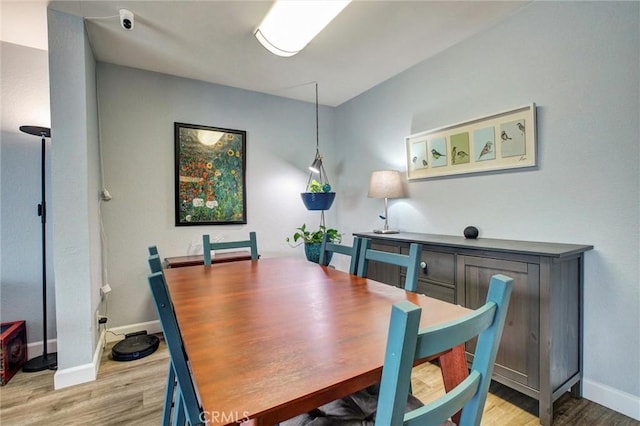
<point>317,125</point>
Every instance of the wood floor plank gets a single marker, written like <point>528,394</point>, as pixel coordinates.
<point>128,393</point>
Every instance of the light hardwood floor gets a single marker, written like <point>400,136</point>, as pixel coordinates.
<point>131,393</point>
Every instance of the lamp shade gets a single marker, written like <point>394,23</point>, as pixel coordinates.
<point>386,184</point>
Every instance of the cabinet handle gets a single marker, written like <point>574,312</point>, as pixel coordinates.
<point>423,265</point>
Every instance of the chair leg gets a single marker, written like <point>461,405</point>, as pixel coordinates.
<point>179,416</point>
<point>453,366</point>
<point>168,397</point>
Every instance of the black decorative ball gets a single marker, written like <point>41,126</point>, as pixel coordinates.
<point>471,232</point>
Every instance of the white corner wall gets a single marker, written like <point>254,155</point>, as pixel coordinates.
<point>579,61</point>
<point>75,219</point>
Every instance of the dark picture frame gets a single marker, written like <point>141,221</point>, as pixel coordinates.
<point>210,175</point>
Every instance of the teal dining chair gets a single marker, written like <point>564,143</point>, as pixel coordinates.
<point>406,343</point>
<point>410,261</point>
<point>390,402</point>
<point>155,265</point>
<point>186,407</point>
<point>207,246</point>
<point>328,248</point>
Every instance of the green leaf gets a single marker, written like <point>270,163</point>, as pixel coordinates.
<point>306,236</point>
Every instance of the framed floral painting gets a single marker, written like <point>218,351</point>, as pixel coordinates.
<point>210,169</point>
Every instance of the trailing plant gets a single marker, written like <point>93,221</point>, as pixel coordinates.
<point>303,235</point>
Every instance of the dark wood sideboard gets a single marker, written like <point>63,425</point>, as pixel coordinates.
<point>198,259</point>
<point>540,352</point>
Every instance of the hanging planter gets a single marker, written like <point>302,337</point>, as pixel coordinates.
<point>318,195</point>
<point>318,200</point>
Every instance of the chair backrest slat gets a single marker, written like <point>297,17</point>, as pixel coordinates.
<point>433,412</point>
<point>410,261</point>
<point>155,265</point>
<point>406,343</point>
<point>329,247</point>
<point>461,330</point>
<point>164,306</point>
<point>207,246</point>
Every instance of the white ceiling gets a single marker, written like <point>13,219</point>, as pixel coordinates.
<point>369,42</point>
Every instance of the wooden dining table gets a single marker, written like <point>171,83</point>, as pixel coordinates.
<point>273,338</point>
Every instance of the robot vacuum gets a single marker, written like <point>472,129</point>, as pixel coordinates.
<point>135,346</point>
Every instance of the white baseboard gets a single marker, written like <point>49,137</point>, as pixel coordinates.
<point>612,398</point>
<point>34,349</point>
<point>117,333</point>
<point>82,373</point>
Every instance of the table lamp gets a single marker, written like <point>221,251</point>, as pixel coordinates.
<point>386,184</point>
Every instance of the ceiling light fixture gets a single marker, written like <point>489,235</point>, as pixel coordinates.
<point>291,24</point>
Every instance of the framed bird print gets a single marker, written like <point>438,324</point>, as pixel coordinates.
<point>210,169</point>
<point>505,140</point>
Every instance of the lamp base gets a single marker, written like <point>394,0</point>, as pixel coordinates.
<point>39,363</point>
<point>385,231</point>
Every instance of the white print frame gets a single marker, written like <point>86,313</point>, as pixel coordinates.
<point>506,140</point>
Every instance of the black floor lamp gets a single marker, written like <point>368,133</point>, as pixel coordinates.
<point>46,360</point>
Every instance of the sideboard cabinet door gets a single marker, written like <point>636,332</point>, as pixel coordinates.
<point>384,272</point>
<point>518,355</point>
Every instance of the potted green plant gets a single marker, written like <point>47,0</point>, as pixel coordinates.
<point>312,240</point>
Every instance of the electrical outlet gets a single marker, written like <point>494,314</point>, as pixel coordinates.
<point>100,319</point>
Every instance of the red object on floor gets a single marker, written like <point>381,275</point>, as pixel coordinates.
<point>13,349</point>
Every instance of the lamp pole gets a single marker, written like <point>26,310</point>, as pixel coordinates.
<point>386,216</point>
<point>46,360</point>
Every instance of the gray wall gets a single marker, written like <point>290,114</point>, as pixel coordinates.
<point>24,91</point>
<point>75,169</point>
<point>137,111</point>
<point>580,63</point>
